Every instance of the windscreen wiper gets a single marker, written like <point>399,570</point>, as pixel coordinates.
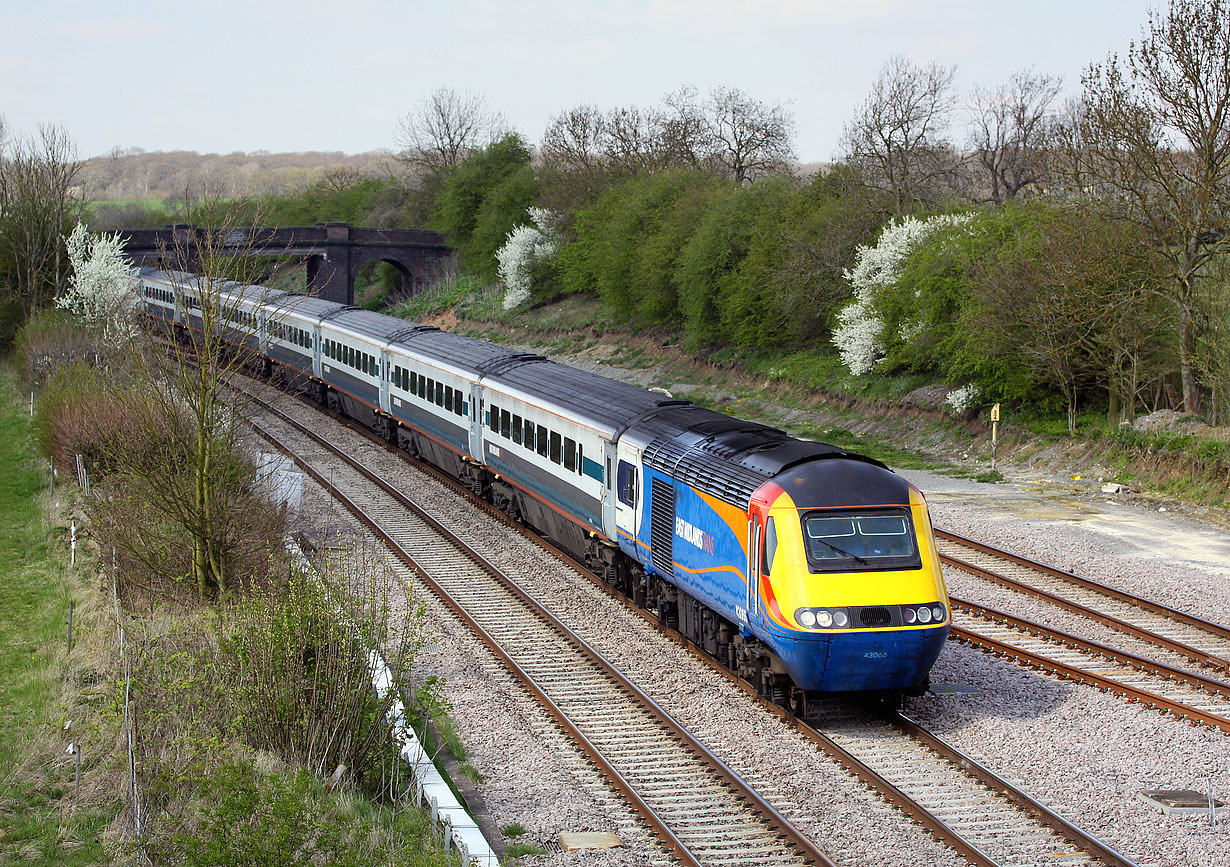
<point>842,552</point>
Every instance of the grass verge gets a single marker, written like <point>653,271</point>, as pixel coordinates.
<point>42,821</point>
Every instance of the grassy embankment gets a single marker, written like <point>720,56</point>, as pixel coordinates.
<point>214,795</point>
<point>40,821</point>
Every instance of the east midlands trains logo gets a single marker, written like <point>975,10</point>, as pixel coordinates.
<point>695,535</point>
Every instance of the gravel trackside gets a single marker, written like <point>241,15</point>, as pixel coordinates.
<point>1085,754</point>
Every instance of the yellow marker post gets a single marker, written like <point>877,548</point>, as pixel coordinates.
<point>994,432</point>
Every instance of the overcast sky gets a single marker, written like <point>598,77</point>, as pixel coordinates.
<point>245,75</point>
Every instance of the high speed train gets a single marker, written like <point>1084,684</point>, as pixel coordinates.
<point>806,568</point>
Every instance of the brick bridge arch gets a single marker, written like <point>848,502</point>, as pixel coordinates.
<point>335,252</point>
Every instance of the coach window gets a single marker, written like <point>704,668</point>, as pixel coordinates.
<point>541,441</point>
<point>570,454</point>
<point>627,483</point>
<point>439,394</point>
<point>458,403</point>
<point>429,393</point>
<point>529,435</point>
<point>448,397</point>
<point>505,424</point>
<point>555,447</point>
<point>494,420</point>
<point>516,429</point>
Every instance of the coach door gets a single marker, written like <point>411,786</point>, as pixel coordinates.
<point>477,407</point>
<point>628,496</point>
<point>383,376</point>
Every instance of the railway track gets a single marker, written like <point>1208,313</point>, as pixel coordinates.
<point>1199,640</point>
<point>1186,695</point>
<point>1128,668</point>
<point>701,811</point>
<point>969,808</point>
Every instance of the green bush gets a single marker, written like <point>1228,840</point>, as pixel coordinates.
<point>483,199</point>
<point>300,678</point>
<point>242,815</point>
<point>627,243</point>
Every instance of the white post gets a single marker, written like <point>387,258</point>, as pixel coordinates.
<point>72,544</point>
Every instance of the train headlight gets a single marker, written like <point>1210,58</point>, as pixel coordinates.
<point>909,615</point>
<point>806,617</point>
<point>824,618</point>
<point>924,614</point>
<point>937,612</point>
<point>840,619</point>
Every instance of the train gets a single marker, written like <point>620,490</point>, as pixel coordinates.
<point>805,568</point>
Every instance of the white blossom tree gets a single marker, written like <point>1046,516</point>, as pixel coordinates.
<point>860,329</point>
<point>103,287</point>
<point>527,249</point>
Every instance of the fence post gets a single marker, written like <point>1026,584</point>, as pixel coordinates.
<point>70,626</point>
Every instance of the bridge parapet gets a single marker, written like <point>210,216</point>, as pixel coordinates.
<point>335,252</point>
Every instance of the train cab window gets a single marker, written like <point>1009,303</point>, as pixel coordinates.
<point>516,429</point>
<point>627,484</point>
<point>880,539</point>
<point>570,454</point>
<point>540,441</point>
<point>556,443</point>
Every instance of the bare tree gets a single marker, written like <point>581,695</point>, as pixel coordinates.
<point>630,140</point>
<point>746,137</point>
<point>896,138</point>
<point>38,205</point>
<point>574,168</point>
<point>1155,133</point>
<point>1012,131</point>
<point>188,397</point>
<point>445,128</point>
<point>683,132</point>
<point>573,140</point>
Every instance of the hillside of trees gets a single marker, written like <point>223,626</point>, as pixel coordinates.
<point>134,175</point>
<point>1057,255</point>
